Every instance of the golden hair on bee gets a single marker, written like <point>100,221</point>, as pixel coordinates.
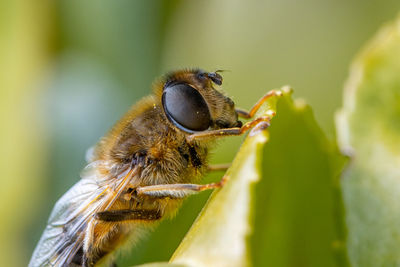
<point>142,170</point>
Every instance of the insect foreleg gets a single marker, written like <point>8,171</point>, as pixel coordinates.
<point>128,215</point>
<point>176,190</point>
<point>228,131</point>
<point>218,167</point>
<point>249,114</point>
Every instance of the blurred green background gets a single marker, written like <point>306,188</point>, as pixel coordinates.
<point>70,69</point>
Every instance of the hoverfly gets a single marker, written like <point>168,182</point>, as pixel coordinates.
<point>142,169</point>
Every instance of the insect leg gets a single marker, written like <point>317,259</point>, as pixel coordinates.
<point>218,167</point>
<point>249,114</point>
<point>228,131</point>
<point>177,190</point>
<point>128,215</point>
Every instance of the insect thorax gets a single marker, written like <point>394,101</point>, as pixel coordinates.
<point>161,150</point>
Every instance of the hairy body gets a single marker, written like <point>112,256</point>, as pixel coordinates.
<point>163,156</point>
<point>141,171</point>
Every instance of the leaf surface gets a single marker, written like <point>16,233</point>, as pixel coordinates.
<point>281,206</point>
<point>368,129</point>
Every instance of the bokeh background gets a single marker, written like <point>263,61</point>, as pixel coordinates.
<point>70,69</point>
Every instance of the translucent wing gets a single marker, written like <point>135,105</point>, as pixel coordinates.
<point>66,228</point>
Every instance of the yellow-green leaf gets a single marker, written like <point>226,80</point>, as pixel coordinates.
<point>281,206</point>
<point>297,209</point>
<point>369,131</point>
<point>218,237</point>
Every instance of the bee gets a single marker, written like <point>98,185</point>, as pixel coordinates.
<point>143,169</point>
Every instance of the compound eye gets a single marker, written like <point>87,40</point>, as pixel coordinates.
<point>186,108</point>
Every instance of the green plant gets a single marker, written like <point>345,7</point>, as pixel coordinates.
<point>283,203</point>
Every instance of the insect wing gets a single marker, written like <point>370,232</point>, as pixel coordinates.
<point>55,237</point>
<point>66,228</point>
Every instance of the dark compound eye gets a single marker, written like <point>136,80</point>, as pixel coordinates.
<point>186,107</point>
